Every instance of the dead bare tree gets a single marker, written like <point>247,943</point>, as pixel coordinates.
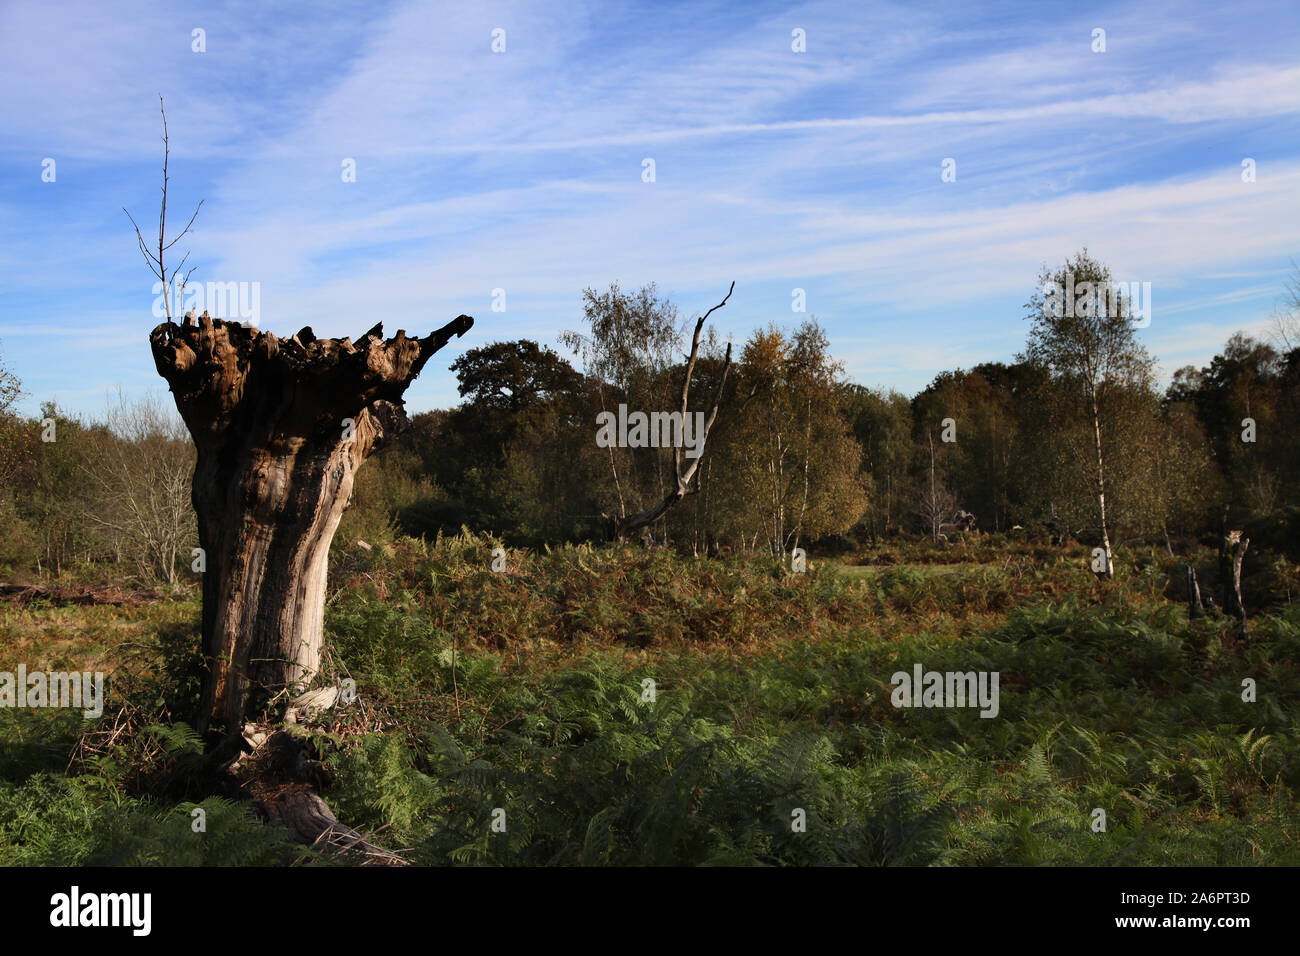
<point>137,472</point>
<point>1284,324</point>
<point>937,506</point>
<point>280,427</point>
<point>620,527</point>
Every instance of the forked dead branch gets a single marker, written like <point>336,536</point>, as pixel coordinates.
<point>621,527</point>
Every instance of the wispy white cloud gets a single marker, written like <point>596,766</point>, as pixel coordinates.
<point>522,170</point>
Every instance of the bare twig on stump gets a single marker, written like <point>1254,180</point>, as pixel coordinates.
<point>155,260</point>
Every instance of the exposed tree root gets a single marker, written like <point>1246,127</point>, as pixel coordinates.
<point>306,814</point>
<point>276,772</point>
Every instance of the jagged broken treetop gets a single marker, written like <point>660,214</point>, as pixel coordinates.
<point>221,371</point>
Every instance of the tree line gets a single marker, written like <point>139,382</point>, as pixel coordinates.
<point>1070,439</point>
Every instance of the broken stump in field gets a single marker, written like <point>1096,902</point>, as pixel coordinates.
<point>1195,608</point>
<point>1231,553</point>
<point>281,426</point>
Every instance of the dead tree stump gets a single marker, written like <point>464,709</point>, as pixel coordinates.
<point>1231,553</point>
<point>281,426</point>
<point>1195,608</point>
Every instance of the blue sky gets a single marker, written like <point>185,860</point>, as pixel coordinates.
<point>522,170</point>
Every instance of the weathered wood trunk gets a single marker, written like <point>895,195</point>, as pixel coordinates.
<point>281,427</point>
<point>1195,608</point>
<point>1231,553</point>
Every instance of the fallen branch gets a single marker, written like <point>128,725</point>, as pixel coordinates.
<point>24,594</point>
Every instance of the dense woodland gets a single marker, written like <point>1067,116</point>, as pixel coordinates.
<point>800,456</point>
